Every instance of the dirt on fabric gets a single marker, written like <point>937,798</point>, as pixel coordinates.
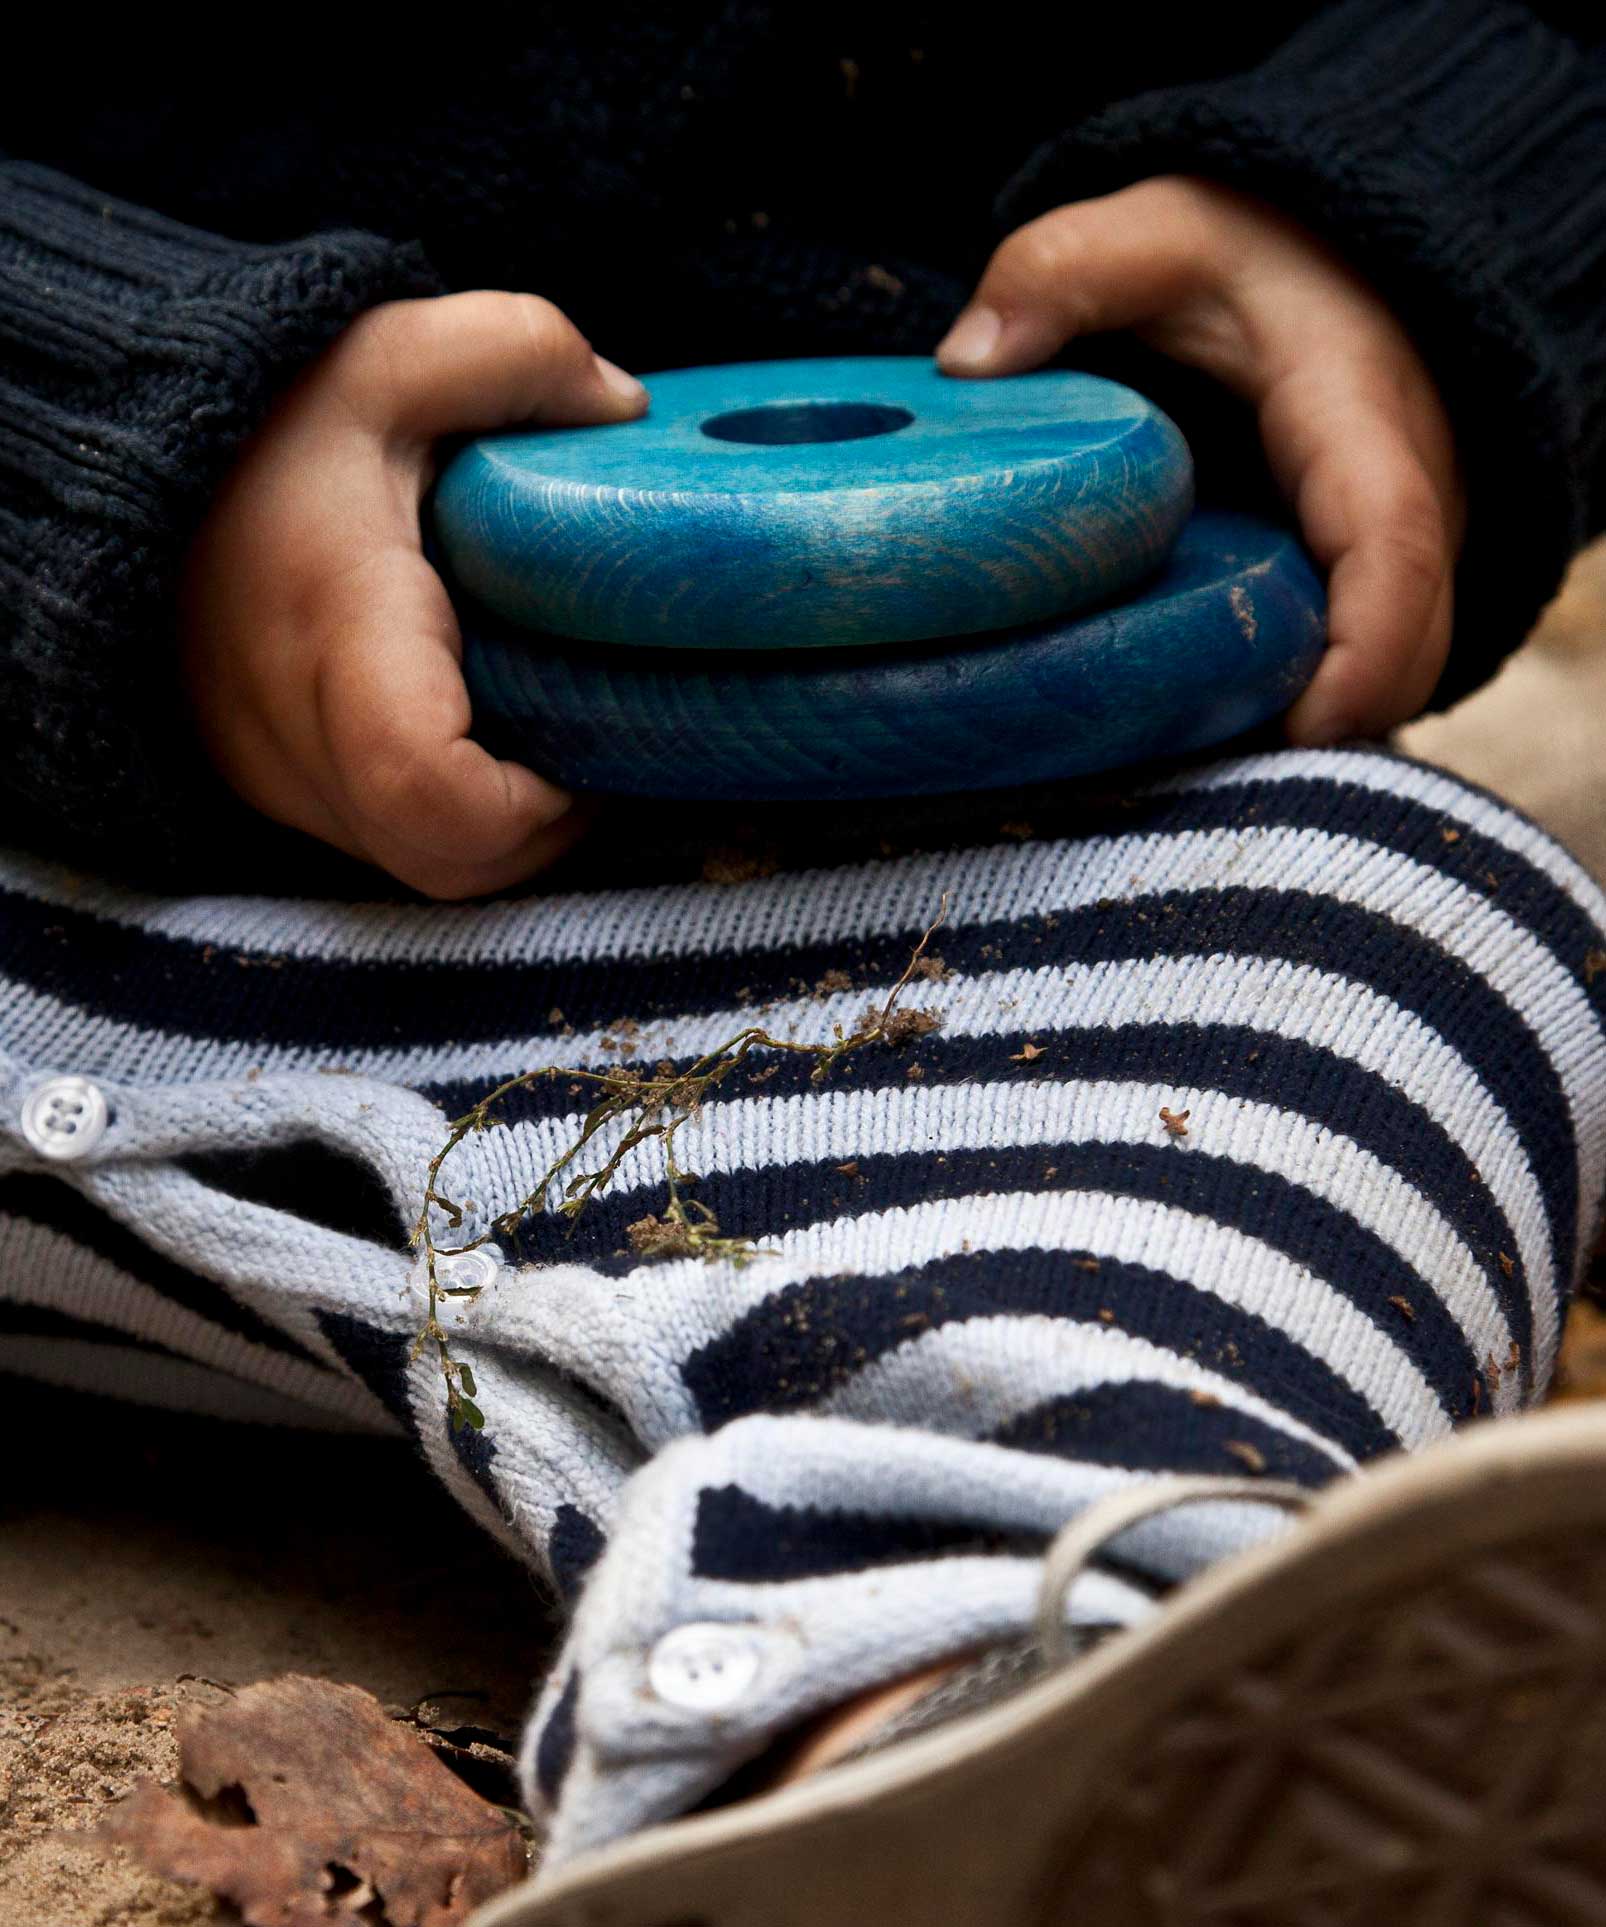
<point>149,1562</point>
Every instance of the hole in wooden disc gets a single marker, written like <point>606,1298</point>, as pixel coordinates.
<point>807,421</point>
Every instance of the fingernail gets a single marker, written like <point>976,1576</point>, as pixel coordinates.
<point>555,808</point>
<point>972,338</point>
<point>626,387</point>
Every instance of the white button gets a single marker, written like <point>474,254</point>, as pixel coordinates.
<point>468,1270</point>
<point>65,1117</point>
<point>704,1666</point>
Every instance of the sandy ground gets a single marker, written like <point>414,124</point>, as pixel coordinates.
<point>148,1562</point>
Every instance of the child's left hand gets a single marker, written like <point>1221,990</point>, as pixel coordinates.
<point>1352,424</point>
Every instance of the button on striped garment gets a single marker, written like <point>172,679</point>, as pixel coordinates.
<point>1256,1123</point>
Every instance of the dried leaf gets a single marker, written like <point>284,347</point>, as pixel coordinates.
<point>302,1803</point>
<point>664,1237</point>
<point>903,1026</point>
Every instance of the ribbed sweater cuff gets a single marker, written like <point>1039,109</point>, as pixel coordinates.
<point>1452,151</point>
<point>136,355</point>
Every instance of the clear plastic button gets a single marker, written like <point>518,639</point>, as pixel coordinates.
<point>468,1270</point>
<point>705,1666</point>
<point>65,1117</point>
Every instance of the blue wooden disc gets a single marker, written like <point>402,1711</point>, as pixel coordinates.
<point>1223,640</point>
<point>790,503</point>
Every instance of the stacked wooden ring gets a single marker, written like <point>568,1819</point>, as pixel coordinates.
<point>857,578</point>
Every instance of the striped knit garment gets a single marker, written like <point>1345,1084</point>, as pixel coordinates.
<point>995,1283</point>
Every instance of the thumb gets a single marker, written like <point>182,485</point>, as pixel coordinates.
<point>410,786</point>
<point>1116,262</point>
<point>462,363</point>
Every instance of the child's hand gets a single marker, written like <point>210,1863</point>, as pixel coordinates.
<point>1351,421</point>
<point>321,652</point>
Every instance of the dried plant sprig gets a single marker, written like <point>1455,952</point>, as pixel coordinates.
<point>658,1103</point>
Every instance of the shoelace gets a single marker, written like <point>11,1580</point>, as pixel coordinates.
<point>1112,1515</point>
<point>1009,1667</point>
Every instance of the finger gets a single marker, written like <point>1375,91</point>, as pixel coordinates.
<point>444,879</point>
<point>448,879</point>
<point>1368,682</point>
<point>452,882</point>
<point>253,759</point>
<point>1373,516</point>
<point>483,360</point>
<point>1114,262</point>
<point>394,718</point>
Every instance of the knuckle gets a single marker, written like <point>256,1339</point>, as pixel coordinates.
<point>1050,264</point>
<point>1413,538</point>
<point>375,347</point>
<point>1046,250</point>
<point>1187,195</point>
<point>397,786</point>
<point>547,332</point>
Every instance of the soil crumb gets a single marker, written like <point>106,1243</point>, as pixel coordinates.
<point>735,865</point>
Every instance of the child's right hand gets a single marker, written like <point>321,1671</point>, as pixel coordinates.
<point>321,651</point>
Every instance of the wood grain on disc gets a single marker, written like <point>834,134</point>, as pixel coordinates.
<point>1224,639</point>
<point>841,502</point>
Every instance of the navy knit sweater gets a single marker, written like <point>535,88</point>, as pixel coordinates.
<point>719,182</point>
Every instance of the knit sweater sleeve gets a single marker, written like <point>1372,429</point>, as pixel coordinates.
<point>1455,152</point>
<point>136,355</point>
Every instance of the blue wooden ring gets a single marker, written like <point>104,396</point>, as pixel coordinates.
<point>844,502</point>
<point>1222,641</point>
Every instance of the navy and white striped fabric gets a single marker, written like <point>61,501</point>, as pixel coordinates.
<point>995,1284</point>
